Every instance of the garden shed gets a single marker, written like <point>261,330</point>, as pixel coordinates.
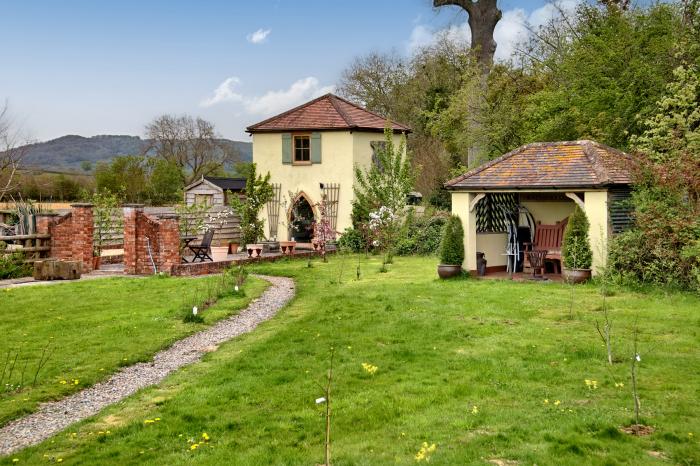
<point>213,190</point>
<point>503,202</point>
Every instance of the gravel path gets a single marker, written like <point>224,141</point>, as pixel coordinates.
<point>55,416</point>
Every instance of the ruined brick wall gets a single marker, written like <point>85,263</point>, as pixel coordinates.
<point>71,234</point>
<point>143,234</point>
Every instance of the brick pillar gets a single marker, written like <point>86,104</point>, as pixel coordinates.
<point>169,239</point>
<point>131,259</point>
<point>83,228</point>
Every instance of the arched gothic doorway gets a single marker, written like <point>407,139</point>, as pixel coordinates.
<point>301,220</point>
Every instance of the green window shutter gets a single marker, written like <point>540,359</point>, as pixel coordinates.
<point>287,148</point>
<point>315,147</point>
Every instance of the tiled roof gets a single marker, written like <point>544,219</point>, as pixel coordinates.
<point>328,112</point>
<point>567,164</point>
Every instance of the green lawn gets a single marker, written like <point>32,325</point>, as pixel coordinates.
<point>92,328</point>
<point>485,370</point>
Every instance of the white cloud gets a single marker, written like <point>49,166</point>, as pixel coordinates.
<point>422,36</point>
<point>271,102</point>
<point>510,30</point>
<point>276,101</point>
<point>259,36</point>
<point>514,27</point>
<point>224,93</point>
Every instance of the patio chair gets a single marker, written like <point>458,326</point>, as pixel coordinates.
<point>202,250</point>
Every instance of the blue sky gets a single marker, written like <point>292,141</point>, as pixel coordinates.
<point>98,67</point>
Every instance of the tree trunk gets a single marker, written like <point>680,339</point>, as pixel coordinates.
<point>483,17</point>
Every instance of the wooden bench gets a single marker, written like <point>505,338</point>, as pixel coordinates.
<point>549,238</point>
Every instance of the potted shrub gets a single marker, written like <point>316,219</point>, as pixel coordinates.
<point>576,248</point>
<point>451,248</point>
<point>218,220</point>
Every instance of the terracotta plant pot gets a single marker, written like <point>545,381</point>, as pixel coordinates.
<point>575,275</point>
<point>233,247</point>
<point>96,262</point>
<point>449,271</point>
<point>219,253</point>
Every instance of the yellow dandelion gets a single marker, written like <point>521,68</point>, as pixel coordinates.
<point>369,368</point>
<point>59,460</point>
<point>156,419</point>
<point>557,403</point>
<point>63,382</point>
<point>149,421</point>
<point>194,446</point>
<point>205,436</point>
<point>15,460</point>
<point>546,401</point>
<point>76,382</point>
<point>475,410</point>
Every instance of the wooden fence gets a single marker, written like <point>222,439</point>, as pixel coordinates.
<point>230,230</point>
<point>34,247</point>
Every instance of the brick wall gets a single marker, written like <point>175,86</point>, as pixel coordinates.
<point>149,240</point>
<point>71,234</point>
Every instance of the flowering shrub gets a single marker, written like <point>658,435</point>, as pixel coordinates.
<point>191,217</point>
<point>323,231</point>
<point>383,225</point>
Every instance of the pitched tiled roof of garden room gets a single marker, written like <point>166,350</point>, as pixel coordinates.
<point>328,112</point>
<point>566,164</point>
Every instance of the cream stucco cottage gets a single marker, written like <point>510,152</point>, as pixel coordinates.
<point>311,151</point>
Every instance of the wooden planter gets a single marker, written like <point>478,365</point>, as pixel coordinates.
<point>449,271</point>
<point>575,275</point>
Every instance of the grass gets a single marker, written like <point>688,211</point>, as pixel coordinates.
<point>464,364</point>
<point>92,328</point>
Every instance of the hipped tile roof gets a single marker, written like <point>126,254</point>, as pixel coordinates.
<point>328,112</point>
<point>566,164</point>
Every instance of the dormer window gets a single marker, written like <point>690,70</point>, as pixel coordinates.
<point>302,148</point>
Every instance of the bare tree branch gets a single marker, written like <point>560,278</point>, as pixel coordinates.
<point>13,148</point>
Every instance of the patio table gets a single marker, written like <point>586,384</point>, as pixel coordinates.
<point>185,241</point>
<point>537,258</point>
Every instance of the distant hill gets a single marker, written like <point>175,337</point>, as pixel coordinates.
<point>68,152</point>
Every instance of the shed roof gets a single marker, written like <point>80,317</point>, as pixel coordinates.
<point>564,164</point>
<point>328,112</point>
<point>223,183</point>
<point>229,184</point>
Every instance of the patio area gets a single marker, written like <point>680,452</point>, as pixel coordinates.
<point>221,263</point>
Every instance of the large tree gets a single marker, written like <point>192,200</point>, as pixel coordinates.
<point>13,148</point>
<point>191,144</point>
<point>483,17</point>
